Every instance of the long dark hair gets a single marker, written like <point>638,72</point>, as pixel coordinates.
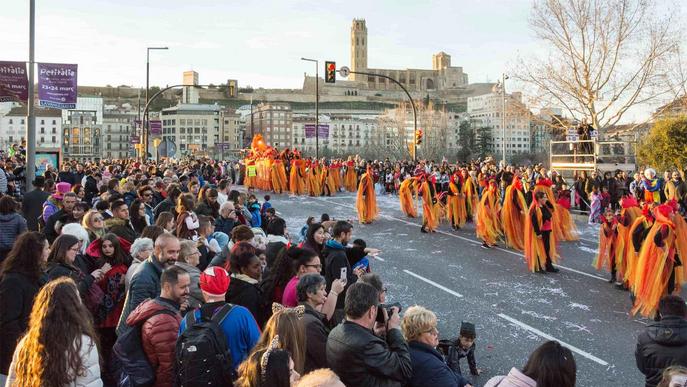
<point>119,256</point>
<point>551,365</point>
<point>310,237</point>
<point>137,221</point>
<point>26,256</point>
<point>214,207</point>
<point>59,248</point>
<point>47,359</point>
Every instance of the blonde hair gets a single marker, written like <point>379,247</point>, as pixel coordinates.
<point>323,377</point>
<point>668,374</point>
<point>287,325</point>
<point>416,321</point>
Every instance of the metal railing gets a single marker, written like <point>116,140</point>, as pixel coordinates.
<point>591,155</point>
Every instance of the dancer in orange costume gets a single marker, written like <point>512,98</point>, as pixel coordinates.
<point>629,212</point>
<point>366,201</point>
<point>335,171</point>
<point>328,183</point>
<point>278,176</point>
<point>455,202</point>
<point>540,241</point>
<point>406,197</point>
<point>608,244</point>
<point>638,232</point>
<point>470,192</point>
<point>351,178</point>
<point>659,268</point>
<point>513,215</point>
<point>430,208</point>
<point>313,181</point>
<point>487,217</point>
<point>297,177</point>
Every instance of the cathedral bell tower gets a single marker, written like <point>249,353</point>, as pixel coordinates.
<point>358,48</point>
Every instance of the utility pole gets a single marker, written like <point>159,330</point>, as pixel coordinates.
<point>503,116</point>
<point>30,169</point>
<point>146,128</point>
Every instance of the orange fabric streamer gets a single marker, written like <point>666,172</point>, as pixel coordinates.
<point>488,221</point>
<point>470,192</point>
<point>456,211</point>
<point>608,243</point>
<point>351,178</point>
<point>297,177</point>
<point>278,177</point>
<point>535,254</point>
<point>430,218</point>
<point>366,201</point>
<point>513,215</point>
<point>405,197</point>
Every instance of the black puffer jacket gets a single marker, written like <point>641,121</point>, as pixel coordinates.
<point>662,344</point>
<point>362,359</point>
<point>17,291</point>
<point>250,296</point>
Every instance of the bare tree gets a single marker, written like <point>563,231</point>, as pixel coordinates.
<point>605,57</point>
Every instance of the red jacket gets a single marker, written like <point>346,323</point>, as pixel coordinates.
<point>159,336</point>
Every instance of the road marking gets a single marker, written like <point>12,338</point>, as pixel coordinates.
<point>518,254</point>
<point>549,337</point>
<point>436,285</point>
<point>378,258</point>
<point>588,240</point>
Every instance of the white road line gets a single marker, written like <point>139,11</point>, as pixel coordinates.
<point>549,337</point>
<point>436,285</point>
<point>589,240</point>
<point>516,253</point>
<point>378,258</point>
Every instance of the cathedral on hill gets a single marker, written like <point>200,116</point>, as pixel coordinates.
<point>442,76</point>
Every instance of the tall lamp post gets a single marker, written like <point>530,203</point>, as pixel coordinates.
<point>31,116</point>
<point>146,129</point>
<point>503,116</point>
<point>317,105</point>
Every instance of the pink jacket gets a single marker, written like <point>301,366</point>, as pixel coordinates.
<point>515,378</point>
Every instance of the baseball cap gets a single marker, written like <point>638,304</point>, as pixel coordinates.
<point>214,281</point>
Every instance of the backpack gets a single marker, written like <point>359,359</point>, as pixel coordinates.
<point>130,365</point>
<point>202,356</point>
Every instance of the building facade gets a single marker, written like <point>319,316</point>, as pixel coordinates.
<point>486,112</point>
<point>48,128</point>
<point>82,130</point>
<point>117,130</point>
<point>441,77</point>
<point>274,121</point>
<point>193,128</point>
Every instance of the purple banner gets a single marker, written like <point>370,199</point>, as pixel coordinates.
<point>57,87</point>
<point>323,130</point>
<point>14,83</point>
<point>134,139</point>
<point>309,130</point>
<point>155,127</point>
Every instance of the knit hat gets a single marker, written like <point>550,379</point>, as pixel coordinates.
<point>214,281</point>
<point>467,329</point>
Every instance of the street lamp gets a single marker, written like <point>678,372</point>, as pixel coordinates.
<point>145,117</point>
<point>503,116</point>
<point>317,105</point>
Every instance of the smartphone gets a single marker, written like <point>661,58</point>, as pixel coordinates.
<point>344,272</point>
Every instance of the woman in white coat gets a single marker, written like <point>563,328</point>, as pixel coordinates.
<point>44,358</point>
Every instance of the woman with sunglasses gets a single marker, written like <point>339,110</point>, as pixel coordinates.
<point>94,223</point>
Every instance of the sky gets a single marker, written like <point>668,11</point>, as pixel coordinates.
<point>260,43</point>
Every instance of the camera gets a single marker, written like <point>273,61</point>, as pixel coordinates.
<point>387,307</point>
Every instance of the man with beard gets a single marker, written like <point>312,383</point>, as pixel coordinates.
<point>676,188</point>
<point>145,283</point>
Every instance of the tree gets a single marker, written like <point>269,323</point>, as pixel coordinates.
<point>484,141</point>
<point>605,57</point>
<point>666,145</point>
<point>468,141</point>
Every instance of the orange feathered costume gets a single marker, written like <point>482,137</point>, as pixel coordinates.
<point>513,215</point>
<point>406,198</point>
<point>535,252</point>
<point>366,201</point>
<point>488,221</point>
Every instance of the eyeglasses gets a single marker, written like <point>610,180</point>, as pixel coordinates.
<point>148,195</point>
<point>98,219</point>
<point>75,249</point>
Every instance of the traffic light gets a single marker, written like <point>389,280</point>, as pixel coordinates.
<point>330,72</point>
<point>418,137</point>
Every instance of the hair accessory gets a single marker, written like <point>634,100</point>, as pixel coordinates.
<point>299,310</point>
<point>266,356</point>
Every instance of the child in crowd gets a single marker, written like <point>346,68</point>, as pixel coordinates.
<point>266,204</point>
<point>595,207</point>
<point>357,257</point>
<point>254,208</point>
<point>463,346</point>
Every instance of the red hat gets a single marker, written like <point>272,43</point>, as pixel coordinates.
<point>214,281</point>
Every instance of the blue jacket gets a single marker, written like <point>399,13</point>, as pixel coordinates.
<point>240,330</point>
<point>144,284</point>
<point>256,219</point>
<point>429,368</point>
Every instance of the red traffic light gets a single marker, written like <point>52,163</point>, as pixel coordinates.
<point>330,72</point>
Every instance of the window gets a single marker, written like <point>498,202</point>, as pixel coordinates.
<point>42,139</point>
<point>42,130</point>
<point>54,122</point>
<point>54,140</point>
<point>11,124</point>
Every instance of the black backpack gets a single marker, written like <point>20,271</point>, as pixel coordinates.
<point>130,365</point>
<point>202,356</point>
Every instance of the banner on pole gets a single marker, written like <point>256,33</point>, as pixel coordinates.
<point>155,127</point>
<point>57,86</point>
<point>323,130</point>
<point>309,130</point>
<point>14,83</point>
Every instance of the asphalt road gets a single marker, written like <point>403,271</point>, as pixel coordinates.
<point>514,310</point>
